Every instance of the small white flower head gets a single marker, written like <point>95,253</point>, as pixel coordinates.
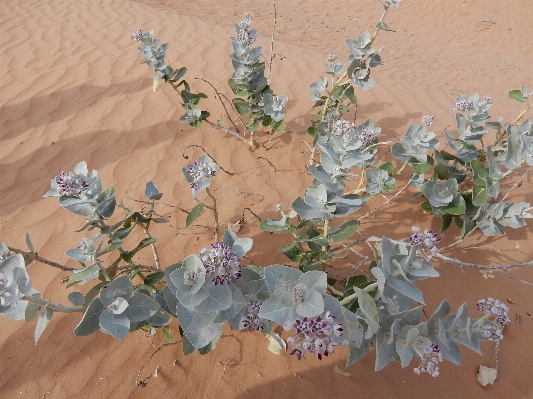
<point>342,126</point>
<point>252,320</point>
<point>429,361</point>
<point>221,263</point>
<point>332,58</point>
<point>315,335</point>
<point>428,120</point>
<point>137,35</point>
<point>463,105</point>
<point>246,37</point>
<point>487,99</point>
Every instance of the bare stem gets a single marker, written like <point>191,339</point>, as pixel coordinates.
<point>272,43</point>
<point>215,211</point>
<point>154,250</point>
<point>38,258</point>
<point>54,306</point>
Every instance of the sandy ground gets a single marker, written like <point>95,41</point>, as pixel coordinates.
<point>72,90</point>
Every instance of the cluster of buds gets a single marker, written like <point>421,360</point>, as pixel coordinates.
<point>315,335</point>
<point>429,361</point>
<point>463,105</point>
<point>366,136</point>
<point>245,37</point>
<point>247,18</point>
<point>428,120</point>
<point>71,184</point>
<point>500,312</point>
<point>487,99</point>
<point>137,35</point>
<point>200,171</point>
<point>221,263</point>
<point>342,126</point>
<point>426,240</point>
<point>332,58</point>
<point>252,321</point>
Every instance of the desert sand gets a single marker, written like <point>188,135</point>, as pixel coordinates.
<point>72,90</point>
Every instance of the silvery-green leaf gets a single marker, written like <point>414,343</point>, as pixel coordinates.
<point>77,254</point>
<point>274,310</point>
<point>190,300</point>
<point>159,319</point>
<point>403,344</point>
<point>31,310</point>
<point>120,287</point>
<point>203,337</point>
<point>219,298</point>
<point>315,280</point>
<point>312,306</point>
<point>188,347</point>
<point>15,311</point>
<point>380,277</point>
<point>141,307</point>
<point>229,237</point>
<point>369,309</point>
<point>442,310</point>
<point>320,85</point>
<point>357,353</point>
<point>90,320</point>
<point>83,207</point>
<point>406,288</point>
<point>76,298</point>
<point>42,322</point>
<point>277,273</point>
<point>170,299</point>
<point>238,301</point>
<point>241,246</point>
<point>118,325</point>
<point>191,320</point>
<point>83,275</point>
<point>151,191</point>
<point>384,345</point>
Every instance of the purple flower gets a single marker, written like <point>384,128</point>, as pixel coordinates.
<point>252,320</point>
<point>428,120</point>
<point>367,136</point>
<point>71,184</point>
<point>429,361</point>
<point>315,335</point>
<point>137,35</point>
<point>221,263</point>
<point>463,105</point>
<point>199,172</point>
<point>245,37</point>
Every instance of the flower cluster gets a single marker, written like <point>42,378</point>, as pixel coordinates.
<point>428,120</point>
<point>366,136</point>
<point>221,263</point>
<point>487,99</point>
<point>137,35</point>
<point>429,361</point>
<point>245,37</point>
<point>497,308</point>
<point>424,240</point>
<point>491,332</point>
<point>463,105</point>
<point>247,18</point>
<point>71,184</point>
<point>342,126</point>
<point>252,321</point>
<point>200,171</point>
<point>332,58</point>
<point>314,335</point>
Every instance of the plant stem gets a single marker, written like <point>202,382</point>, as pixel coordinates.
<point>332,289</point>
<point>38,258</point>
<point>54,306</point>
<point>154,250</point>
<point>324,247</point>
<point>215,211</point>
<point>350,298</point>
